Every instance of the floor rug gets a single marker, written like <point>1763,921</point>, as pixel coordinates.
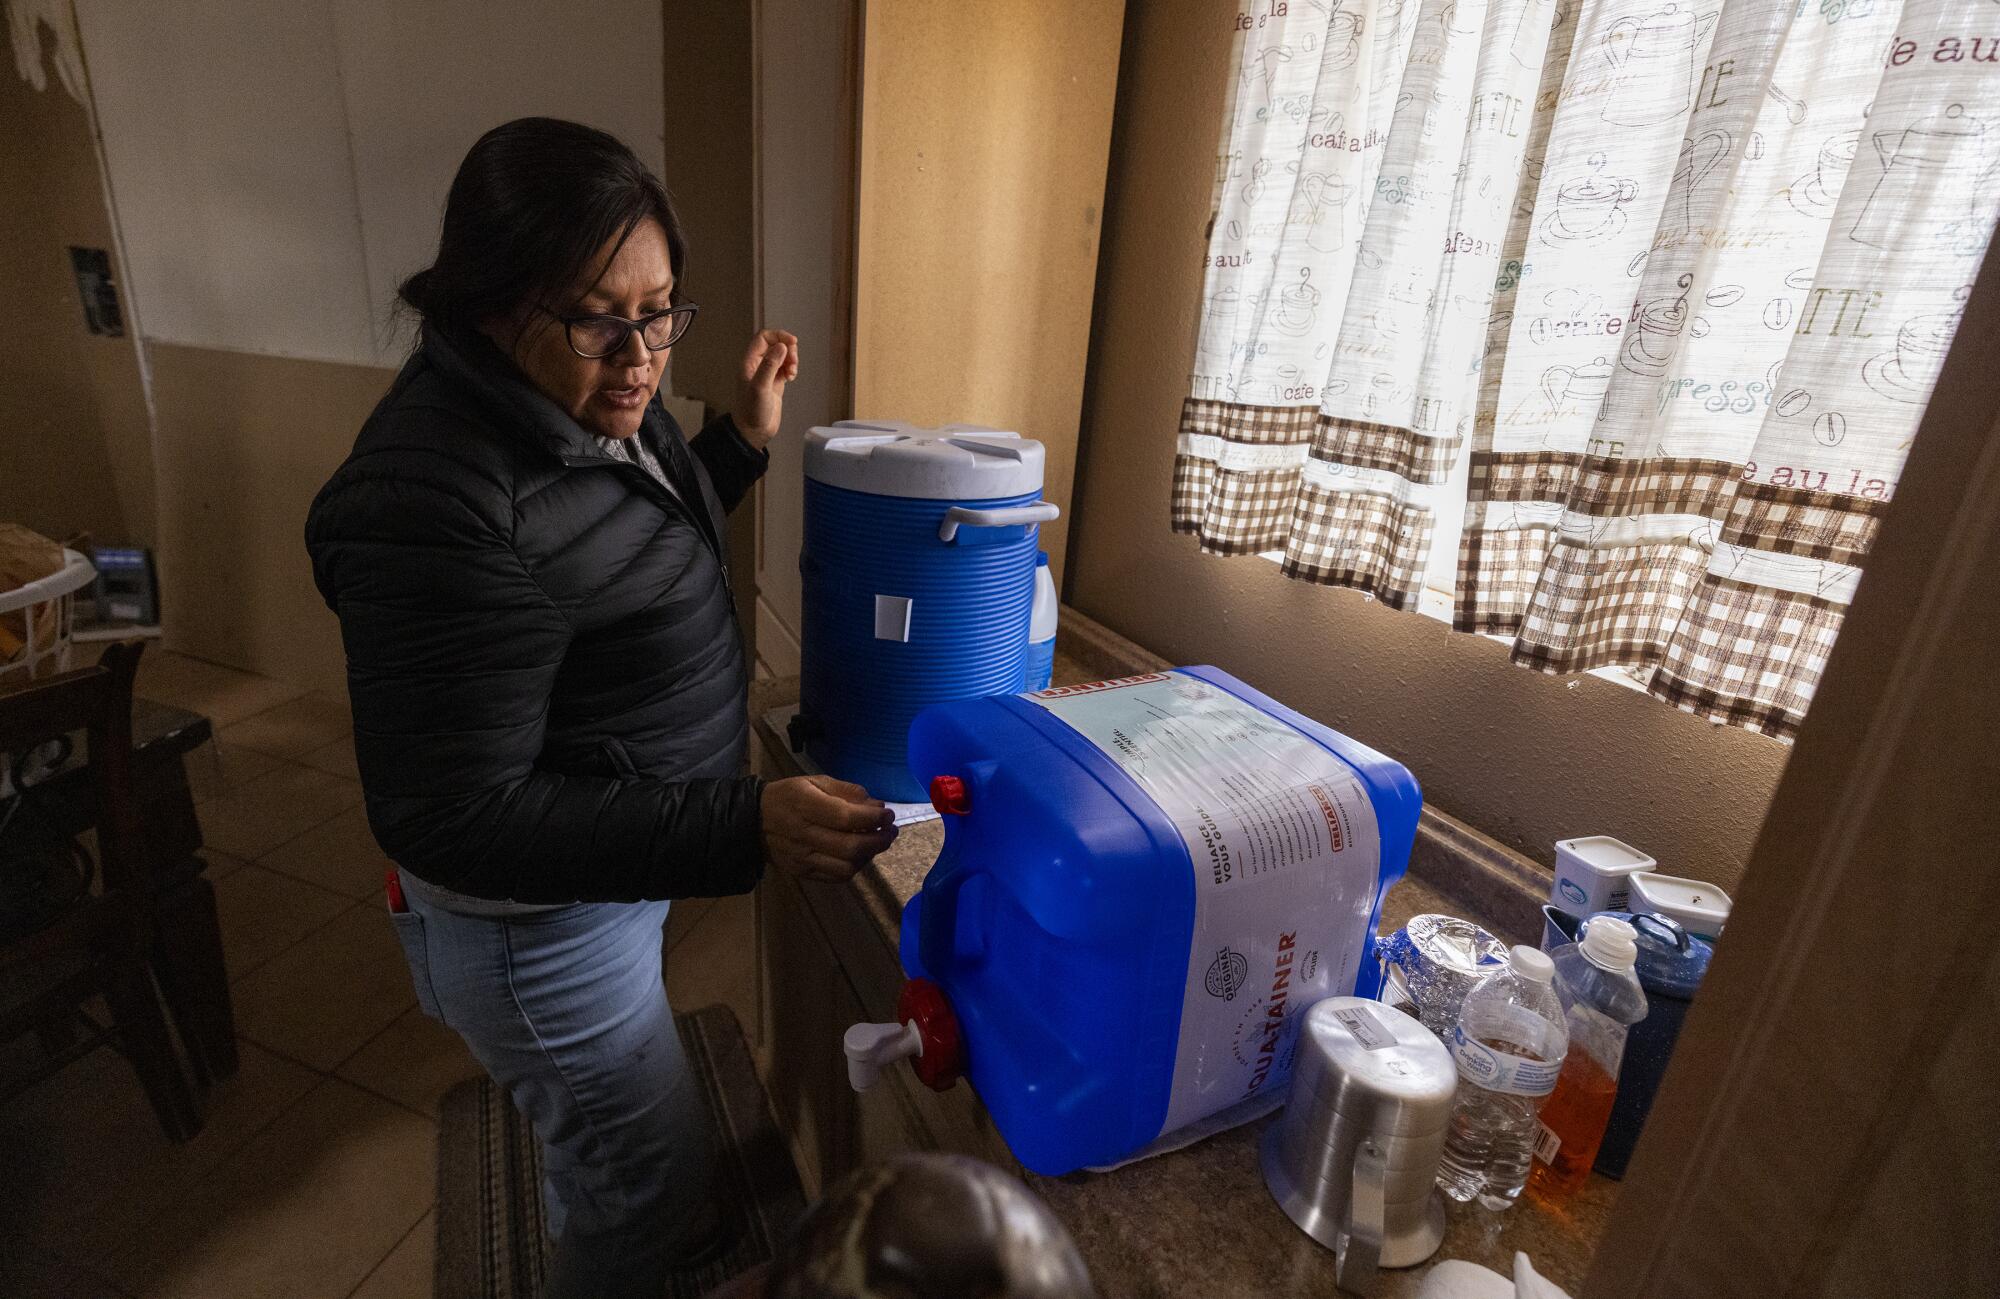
<point>492,1238</point>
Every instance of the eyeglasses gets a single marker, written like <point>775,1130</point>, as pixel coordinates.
<point>594,337</point>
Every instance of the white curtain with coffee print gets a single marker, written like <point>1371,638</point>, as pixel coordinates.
<point>1362,192</point>
<point>1729,240</point>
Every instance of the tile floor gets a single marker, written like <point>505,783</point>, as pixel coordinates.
<point>314,1176</point>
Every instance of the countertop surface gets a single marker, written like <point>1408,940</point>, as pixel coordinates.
<point>1199,1221</point>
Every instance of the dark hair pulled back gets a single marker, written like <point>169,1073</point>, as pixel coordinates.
<point>532,204</point>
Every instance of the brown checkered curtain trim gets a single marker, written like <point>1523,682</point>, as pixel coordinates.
<point>1603,485</point>
<point>1194,484</point>
<point>1248,511</point>
<point>1384,446</point>
<point>1729,651</point>
<point>1814,525</point>
<point>1362,540</point>
<point>1521,476</point>
<point>1238,511</point>
<point>1614,489</point>
<point>1253,425</point>
<point>1611,606</point>
<point>1500,587</point>
<point>1498,569</point>
<point>1748,655</point>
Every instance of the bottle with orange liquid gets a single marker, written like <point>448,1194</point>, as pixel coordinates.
<point>1601,999</point>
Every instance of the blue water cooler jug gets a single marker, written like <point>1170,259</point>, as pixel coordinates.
<point>918,575</point>
<point>1144,884</point>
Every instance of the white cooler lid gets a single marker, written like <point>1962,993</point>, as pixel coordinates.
<point>959,462</point>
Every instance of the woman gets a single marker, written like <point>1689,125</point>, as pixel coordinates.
<point>547,679</point>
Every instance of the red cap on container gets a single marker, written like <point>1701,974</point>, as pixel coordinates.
<point>948,796</point>
<point>942,1063</point>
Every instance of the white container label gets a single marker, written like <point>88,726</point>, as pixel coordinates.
<point>1285,851</point>
<point>1366,1027</point>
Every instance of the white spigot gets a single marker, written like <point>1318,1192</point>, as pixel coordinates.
<point>871,1048</point>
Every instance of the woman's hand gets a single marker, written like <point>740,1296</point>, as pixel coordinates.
<point>822,827</point>
<point>769,363</point>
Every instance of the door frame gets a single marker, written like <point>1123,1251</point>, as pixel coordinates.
<point>1799,1145</point>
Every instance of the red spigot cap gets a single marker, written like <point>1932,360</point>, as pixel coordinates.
<point>942,1063</point>
<point>949,797</point>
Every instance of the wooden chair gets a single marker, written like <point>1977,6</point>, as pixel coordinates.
<point>99,944</point>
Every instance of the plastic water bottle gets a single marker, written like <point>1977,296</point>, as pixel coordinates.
<point>1509,1047</point>
<point>1041,668</point>
<point>1602,997</point>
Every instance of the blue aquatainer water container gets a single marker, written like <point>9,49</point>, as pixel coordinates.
<point>918,569</point>
<point>1144,884</point>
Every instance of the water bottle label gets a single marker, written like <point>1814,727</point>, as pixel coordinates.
<point>1284,846</point>
<point>1502,1071</point>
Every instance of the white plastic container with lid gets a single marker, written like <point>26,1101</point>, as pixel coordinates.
<point>1699,908</point>
<point>1595,873</point>
<point>1041,669</point>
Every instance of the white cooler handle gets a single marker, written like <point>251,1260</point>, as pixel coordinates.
<point>1006,517</point>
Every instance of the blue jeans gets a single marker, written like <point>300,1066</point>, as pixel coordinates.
<point>566,1008</point>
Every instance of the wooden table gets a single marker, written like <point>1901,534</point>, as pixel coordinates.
<point>187,955</point>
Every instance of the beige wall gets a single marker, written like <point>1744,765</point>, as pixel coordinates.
<point>279,168</point>
<point>1526,758</point>
<point>984,129</point>
<point>807,84</point>
<point>708,171</point>
<point>707,145</point>
<point>245,441</point>
<point>75,451</point>
<point>265,258</point>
